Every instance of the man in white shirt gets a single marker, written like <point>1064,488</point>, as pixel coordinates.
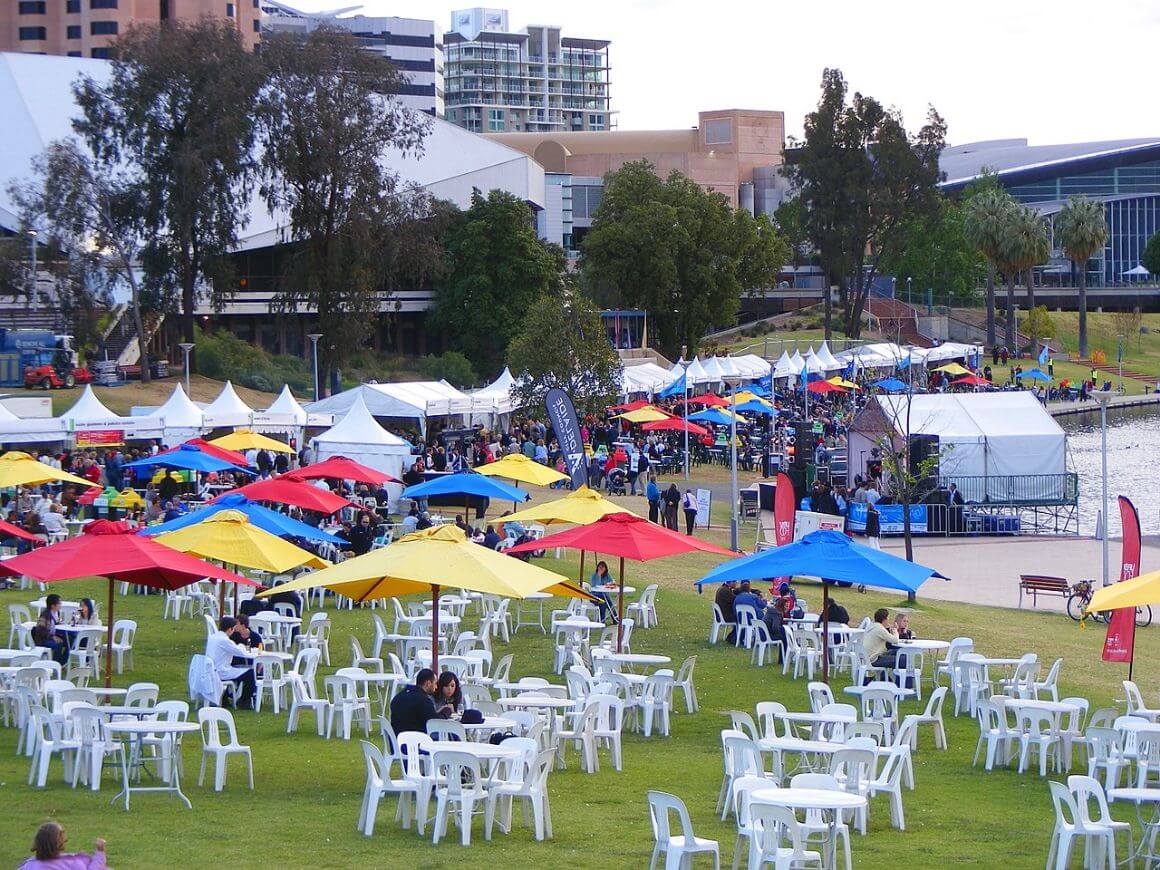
<point>53,520</point>
<point>221,648</point>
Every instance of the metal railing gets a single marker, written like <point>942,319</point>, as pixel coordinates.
<point>1018,490</point>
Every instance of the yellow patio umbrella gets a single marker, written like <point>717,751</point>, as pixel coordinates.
<point>127,498</point>
<point>230,538</point>
<point>21,469</point>
<point>1136,592</point>
<point>746,396</point>
<point>516,466</point>
<point>840,381</point>
<point>953,368</point>
<point>647,414</point>
<point>426,562</point>
<point>243,440</point>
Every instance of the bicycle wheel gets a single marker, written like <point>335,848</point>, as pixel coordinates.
<point>1075,605</point>
<point>1143,616</point>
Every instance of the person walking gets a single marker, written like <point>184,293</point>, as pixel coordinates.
<point>653,493</point>
<point>873,527</point>
<point>671,499</point>
<point>689,506</point>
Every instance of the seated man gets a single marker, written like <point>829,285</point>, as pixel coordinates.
<point>774,619</point>
<point>222,648</point>
<point>746,596</point>
<point>880,641</point>
<point>724,601</point>
<point>414,705</point>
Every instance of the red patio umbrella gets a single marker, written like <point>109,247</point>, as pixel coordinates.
<point>340,468</point>
<point>113,550</point>
<point>628,537</point>
<point>631,406</point>
<point>231,456</point>
<point>7,530</point>
<point>824,387</point>
<point>709,400</point>
<point>290,492</point>
<point>971,381</point>
<point>675,424</point>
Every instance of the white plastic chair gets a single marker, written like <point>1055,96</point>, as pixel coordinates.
<point>531,788</point>
<point>780,839</point>
<point>719,627</point>
<point>746,618</point>
<point>382,781</point>
<point>214,721</point>
<point>644,609</point>
<point>271,679</point>
<point>52,735</point>
<point>95,745</point>
<point>301,699</point>
<point>124,633</point>
<point>1050,683</point>
<point>1038,729</point>
<point>459,785</point>
<point>888,780</point>
<point>763,644</point>
<point>1069,827</point>
<point>346,704</point>
<point>933,716</point>
<point>1086,791</point>
<point>945,667</point>
<point>995,734</point>
<point>684,682</point>
<point>820,694</point>
<point>816,825</point>
<point>1136,705</point>
<point>676,847</point>
<point>656,699</point>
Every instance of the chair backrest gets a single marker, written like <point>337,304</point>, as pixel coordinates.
<point>1103,743</point>
<point>742,755</point>
<point>820,695</point>
<point>1085,791</point>
<point>934,703</point>
<point>378,767</point>
<point>743,722</point>
<point>660,805</point>
<point>474,695</point>
<point>743,788</point>
<point>879,703</point>
<point>19,613</point>
<point>746,615</point>
<point>356,650</point>
<point>1134,698</point>
<point>171,711</point>
<point>685,673</point>
<point>446,729</point>
<point>1066,812</point>
<point>124,631</point>
<point>610,712</point>
<point>1104,717</point>
<point>76,696</point>
<point>776,825</point>
<point>761,633</point>
<point>1052,678</point>
<point>821,781</point>
<point>142,695</point>
<point>1076,718</point>
<point>767,714</point>
<point>457,770</point>
<point>501,673</point>
<point>718,616</point>
<point>213,720</point>
<point>414,749</point>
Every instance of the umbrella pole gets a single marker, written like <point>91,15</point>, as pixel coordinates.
<point>221,598</point>
<point>435,628</point>
<point>620,608</point>
<point>580,580</point>
<point>109,639</point>
<point>825,632</point>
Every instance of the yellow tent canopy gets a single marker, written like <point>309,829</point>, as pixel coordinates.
<point>647,414</point>
<point>1136,592</point>
<point>127,498</point>
<point>840,381</point>
<point>581,507</point>
<point>953,368</point>
<point>21,469</point>
<point>516,466</point>
<point>229,537</point>
<point>746,396</point>
<point>243,440</point>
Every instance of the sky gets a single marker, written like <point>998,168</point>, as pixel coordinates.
<point>1051,72</point>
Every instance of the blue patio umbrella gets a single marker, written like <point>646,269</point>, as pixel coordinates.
<point>756,388</point>
<point>755,407</point>
<point>265,519</point>
<point>890,385</point>
<point>1035,375</point>
<point>711,415</point>
<point>830,556</point>
<point>466,484</point>
<point>187,458</point>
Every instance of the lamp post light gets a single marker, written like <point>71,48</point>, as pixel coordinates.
<point>685,375</point>
<point>186,347</point>
<point>314,336</point>
<point>1104,397</point>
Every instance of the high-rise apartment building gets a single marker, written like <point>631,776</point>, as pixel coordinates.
<point>410,43</point>
<point>84,28</point>
<point>536,80</point>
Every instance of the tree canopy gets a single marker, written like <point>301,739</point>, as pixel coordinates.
<point>1150,259</point>
<point>562,344</point>
<point>937,254</point>
<point>862,179</point>
<point>496,269</point>
<point>1082,230</point>
<point>679,252</point>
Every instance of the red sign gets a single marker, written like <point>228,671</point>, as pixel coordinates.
<point>100,437</point>
<point>1120,642</point>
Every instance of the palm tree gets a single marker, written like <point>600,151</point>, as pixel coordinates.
<point>984,223</point>
<point>1082,231</point>
<point>1024,246</point>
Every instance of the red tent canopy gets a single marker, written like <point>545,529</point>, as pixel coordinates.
<point>971,381</point>
<point>231,456</point>
<point>340,468</point>
<point>824,387</point>
<point>631,406</point>
<point>709,400</point>
<point>291,492</point>
<point>7,530</point>
<point>675,424</point>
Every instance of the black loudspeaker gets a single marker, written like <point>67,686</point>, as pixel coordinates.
<point>803,452</point>
<point>798,476</point>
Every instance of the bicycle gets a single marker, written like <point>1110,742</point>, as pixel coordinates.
<point>1081,595</point>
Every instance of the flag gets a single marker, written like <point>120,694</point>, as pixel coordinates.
<point>1043,356</point>
<point>904,363</point>
<point>562,414</point>
<point>766,382</point>
<point>676,388</point>
<point>784,512</point>
<point>1120,641</point>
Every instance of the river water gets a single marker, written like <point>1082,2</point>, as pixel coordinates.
<point>1133,465</point>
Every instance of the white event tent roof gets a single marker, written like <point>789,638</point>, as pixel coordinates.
<point>359,436</point>
<point>414,400</point>
<point>644,378</point>
<point>178,420</point>
<point>228,409</point>
<point>89,412</point>
<point>285,414</point>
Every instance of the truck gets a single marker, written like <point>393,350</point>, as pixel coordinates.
<point>39,358</point>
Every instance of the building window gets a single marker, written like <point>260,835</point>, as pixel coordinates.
<point>103,28</point>
<point>74,31</point>
<point>73,7</point>
<point>595,122</point>
<point>100,53</point>
<point>30,33</point>
<point>495,120</point>
<point>229,10</point>
<point>102,4</point>
<point>75,54</point>
<point>718,132</point>
<point>32,7</point>
<point>257,26</point>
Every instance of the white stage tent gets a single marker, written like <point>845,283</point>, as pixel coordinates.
<point>228,410</point>
<point>358,436</point>
<point>175,422</point>
<point>982,435</point>
<point>415,400</point>
<point>948,350</point>
<point>284,415</point>
<point>827,359</point>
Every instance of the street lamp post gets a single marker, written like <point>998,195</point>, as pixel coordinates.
<point>1104,397</point>
<point>32,284</point>
<point>314,336</point>
<point>733,464</point>
<point>186,347</point>
<point>685,375</point>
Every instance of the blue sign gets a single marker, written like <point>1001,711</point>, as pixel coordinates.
<point>889,518</point>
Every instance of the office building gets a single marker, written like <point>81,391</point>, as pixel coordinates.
<point>410,43</point>
<point>536,80</point>
<point>734,152</point>
<point>84,28</point>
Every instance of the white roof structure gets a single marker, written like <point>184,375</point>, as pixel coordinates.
<point>812,365</point>
<point>784,367</point>
<point>496,396</point>
<point>228,409</point>
<point>750,365</point>
<point>416,400</point>
<point>644,378</point>
<point>989,435</point>
<point>285,413</point>
<point>90,412</point>
<point>358,436</point>
<point>712,368</point>
<point>827,359</point>
<point>798,361</point>
<point>178,420</point>
<point>695,374</point>
<point>948,350</point>
<point>37,104</point>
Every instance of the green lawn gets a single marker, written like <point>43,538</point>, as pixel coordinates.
<point>1141,351</point>
<point>308,789</point>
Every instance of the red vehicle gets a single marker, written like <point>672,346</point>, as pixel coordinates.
<point>55,369</point>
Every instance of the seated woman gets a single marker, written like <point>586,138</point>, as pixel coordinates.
<point>86,614</point>
<point>44,632</point>
<point>448,695</point>
<point>601,577</point>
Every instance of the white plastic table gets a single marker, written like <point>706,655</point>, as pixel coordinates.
<point>825,800</point>
<point>136,730</point>
<point>614,590</point>
<point>924,646</point>
<point>537,598</point>
<point>482,730</point>
<point>806,750</point>
<point>1141,797</point>
<point>385,686</point>
<point>899,692</point>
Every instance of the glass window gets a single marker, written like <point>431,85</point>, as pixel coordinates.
<point>32,7</point>
<point>495,120</point>
<point>30,33</point>
<point>257,26</point>
<point>74,54</point>
<point>74,31</point>
<point>100,53</point>
<point>102,4</point>
<point>719,132</point>
<point>103,28</point>
<point>229,10</point>
<point>72,6</point>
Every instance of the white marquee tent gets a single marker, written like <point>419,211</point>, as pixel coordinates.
<point>750,365</point>
<point>284,415</point>
<point>695,374</point>
<point>175,422</point>
<point>89,412</point>
<point>414,400</point>
<point>644,378</point>
<point>827,359</point>
<point>228,409</point>
<point>358,436</point>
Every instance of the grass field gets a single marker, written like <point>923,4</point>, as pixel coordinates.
<point>308,792</point>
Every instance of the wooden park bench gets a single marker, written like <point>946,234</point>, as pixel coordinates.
<point>1041,584</point>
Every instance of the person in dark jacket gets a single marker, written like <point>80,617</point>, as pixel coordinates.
<point>672,501</point>
<point>724,601</point>
<point>362,536</point>
<point>414,706</point>
<point>873,526</point>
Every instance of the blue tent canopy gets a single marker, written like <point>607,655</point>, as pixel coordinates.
<point>830,556</point>
<point>890,385</point>
<point>466,483</point>
<point>265,519</point>
<point>1035,375</point>
<point>186,458</point>
<point>711,415</point>
<point>756,388</point>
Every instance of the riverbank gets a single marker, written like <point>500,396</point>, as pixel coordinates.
<point>1063,409</point>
